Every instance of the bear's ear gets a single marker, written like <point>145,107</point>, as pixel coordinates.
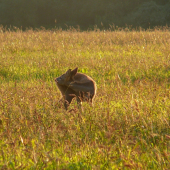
<point>68,72</point>
<point>73,72</point>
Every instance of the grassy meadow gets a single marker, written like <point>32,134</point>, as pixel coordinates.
<point>129,125</point>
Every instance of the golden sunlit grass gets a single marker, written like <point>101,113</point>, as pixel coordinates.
<point>129,126</point>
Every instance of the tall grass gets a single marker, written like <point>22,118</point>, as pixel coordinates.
<point>129,126</point>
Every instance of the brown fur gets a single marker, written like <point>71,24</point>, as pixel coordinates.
<point>73,84</point>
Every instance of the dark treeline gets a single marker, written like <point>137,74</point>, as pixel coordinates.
<point>85,13</point>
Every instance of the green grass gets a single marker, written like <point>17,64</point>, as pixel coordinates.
<point>129,125</point>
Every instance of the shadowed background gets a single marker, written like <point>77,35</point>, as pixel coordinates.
<point>85,13</point>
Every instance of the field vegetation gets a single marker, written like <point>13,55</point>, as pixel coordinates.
<point>129,125</point>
